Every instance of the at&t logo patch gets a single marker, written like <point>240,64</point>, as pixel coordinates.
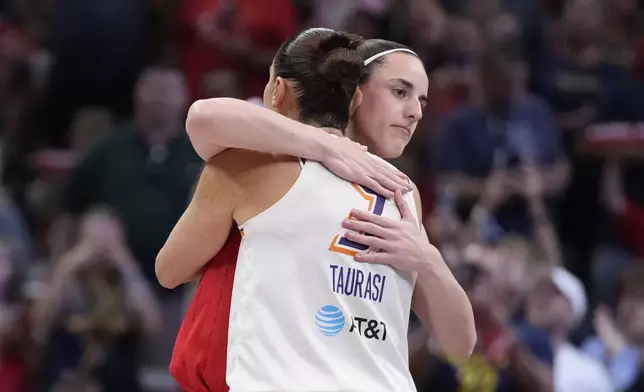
<point>330,320</point>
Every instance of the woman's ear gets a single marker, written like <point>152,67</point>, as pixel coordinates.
<point>355,101</point>
<point>279,95</point>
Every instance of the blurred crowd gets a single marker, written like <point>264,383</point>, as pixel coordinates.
<point>530,160</point>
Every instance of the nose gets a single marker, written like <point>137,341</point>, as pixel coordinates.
<point>414,111</point>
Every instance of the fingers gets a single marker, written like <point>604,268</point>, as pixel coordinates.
<point>365,227</point>
<point>405,212</point>
<point>379,189</point>
<point>373,257</point>
<point>403,182</point>
<point>389,178</point>
<point>367,240</point>
<point>373,218</point>
<point>389,183</point>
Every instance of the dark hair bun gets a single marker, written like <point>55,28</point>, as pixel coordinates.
<point>343,62</point>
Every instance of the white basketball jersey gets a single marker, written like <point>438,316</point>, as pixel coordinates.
<point>305,316</point>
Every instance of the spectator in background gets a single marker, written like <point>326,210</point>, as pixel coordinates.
<point>571,74</point>
<point>97,309</point>
<point>509,356</point>
<point>557,305</point>
<point>99,48</point>
<point>233,34</point>
<point>623,198</point>
<point>514,265</point>
<point>144,170</point>
<point>619,343</point>
<point>485,149</point>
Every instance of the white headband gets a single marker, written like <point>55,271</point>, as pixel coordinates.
<point>386,52</point>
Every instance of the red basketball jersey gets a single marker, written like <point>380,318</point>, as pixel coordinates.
<point>199,359</point>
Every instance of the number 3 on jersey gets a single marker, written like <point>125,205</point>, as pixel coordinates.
<point>376,205</point>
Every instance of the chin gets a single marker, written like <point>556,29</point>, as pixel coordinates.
<point>392,149</point>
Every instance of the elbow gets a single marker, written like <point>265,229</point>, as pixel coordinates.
<point>164,276</point>
<point>462,348</point>
<point>208,115</point>
<point>460,343</point>
<point>206,121</point>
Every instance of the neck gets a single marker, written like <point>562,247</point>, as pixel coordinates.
<point>353,134</point>
<point>330,130</point>
<point>334,131</point>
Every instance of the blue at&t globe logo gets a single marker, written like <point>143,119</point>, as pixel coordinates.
<point>329,320</point>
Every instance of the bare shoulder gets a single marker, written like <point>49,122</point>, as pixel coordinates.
<point>237,163</point>
<point>254,181</point>
<point>251,180</point>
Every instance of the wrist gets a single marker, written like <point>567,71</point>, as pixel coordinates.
<point>318,145</point>
<point>431,262</point>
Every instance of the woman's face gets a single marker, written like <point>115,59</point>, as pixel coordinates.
<point>392,104</point>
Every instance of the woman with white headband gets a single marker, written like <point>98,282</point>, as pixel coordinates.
<point>317,307</point>
<point>388,104</point>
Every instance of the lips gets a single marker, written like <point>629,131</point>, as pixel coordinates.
<point>403,128</point>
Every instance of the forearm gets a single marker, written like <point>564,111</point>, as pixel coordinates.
<point>172,272</point>
<point>442,305</point>
<point>220,123</point>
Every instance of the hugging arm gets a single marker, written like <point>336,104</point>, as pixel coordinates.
<point>220,123</point>
<point>441,303</point>
<point>438,299</point>
<point>202,230</point>
<point>217,124</point>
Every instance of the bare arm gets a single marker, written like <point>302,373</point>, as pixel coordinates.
<point>220,123</point>
<point>442,305</point>
<point>438,299</point>
<point>202,230</point>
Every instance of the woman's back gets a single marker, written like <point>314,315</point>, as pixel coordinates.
<point>300,301</point>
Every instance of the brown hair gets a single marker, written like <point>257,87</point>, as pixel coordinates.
<point>326,67</point>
